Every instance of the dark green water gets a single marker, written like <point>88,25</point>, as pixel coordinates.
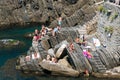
<point>10,73</point>
<point>17,34</point>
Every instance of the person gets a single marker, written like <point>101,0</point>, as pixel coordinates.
<point>43,27</point>
<point>71,46</point>
<point>55,30</point>
<point>87,54</point>
<point>83,41</point>
<point>43,32</point>
<point>35,55</point>
<point>27,58</point>
<point>48,58</point>
<point>36,31</point>
<point>86,73</point>
<point>77,40</point>
<point>96,42</point>
<point>83,38</point>
<point>60,21</point>
<point>48,29</point>
<point>54,60</point>
<point>36,37</point>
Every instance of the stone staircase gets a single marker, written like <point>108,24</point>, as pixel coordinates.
<point>82,30</point>
<point>68,34</point>
<point>91,23</point>
<point>80,62</point>
<point>96,63</point>
<point>33,65</point>
<point>77,61</point>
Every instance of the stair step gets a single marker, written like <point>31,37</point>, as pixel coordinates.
<point>97,60</point>
<point>100,65</point>
<point>102,68</point>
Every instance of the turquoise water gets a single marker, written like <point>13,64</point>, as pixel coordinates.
<point>17,34</point>
<point>10,73</point>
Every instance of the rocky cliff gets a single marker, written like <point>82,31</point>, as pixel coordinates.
<point>104,27</point>
<point>45,11</point>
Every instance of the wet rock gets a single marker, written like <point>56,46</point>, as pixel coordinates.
<point>8,71</point>
<point>10,43</point>
<point>112,73</point>
<point>29,35</point>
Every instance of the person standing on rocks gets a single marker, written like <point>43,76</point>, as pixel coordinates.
<point>83,40</point>
<point>77,40</point>
<point>48,58</point>
<point>43,30</point>
<point>71,47</point>
<point>35,37</point>
<point>60,21</point>
<point>55,30</point>
<point>36,31</point>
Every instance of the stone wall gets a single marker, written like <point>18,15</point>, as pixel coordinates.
<point>45,11</point>
<point>112,42</point>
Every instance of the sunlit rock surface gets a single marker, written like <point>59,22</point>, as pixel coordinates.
<point>21,12</point>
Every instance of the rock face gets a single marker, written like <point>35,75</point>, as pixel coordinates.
<point>59,69</point>
<point>45,11</point>
<point>100,59</point>
<point>10,43</point>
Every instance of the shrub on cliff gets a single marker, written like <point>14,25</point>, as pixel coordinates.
<point>108,29</point>
<point>114,16</point>
<point>102,9</point>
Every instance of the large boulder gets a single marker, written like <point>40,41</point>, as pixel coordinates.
<point>64,62</point>
<point>51,52</point>
<point>60,51</point>
<point>59,69</point>
<point>45,44</point>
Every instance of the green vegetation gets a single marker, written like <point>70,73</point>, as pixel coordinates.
<point>102,9</point>
<point>109,29</point>
<point>114,16</point>
<point>13,41</point>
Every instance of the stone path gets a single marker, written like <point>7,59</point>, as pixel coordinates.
<point>82,29</point>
